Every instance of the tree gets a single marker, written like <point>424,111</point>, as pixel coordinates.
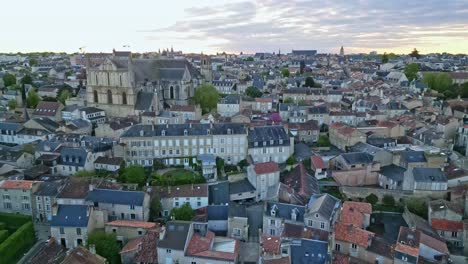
<point>417,206</point>
<point>285,72</point>
<point>33,99</point>
<point>385,57</point>
<point>323,141</point>
<point>207,97</point>
<point>372,199</point>
<point>134,174</point>
<point>9,79</point>
<point>291,160</point>
<point>388,200</point>
<point>411,71</point>
<point>439,82</point>
<point>32,62</point>
<point>219,68</point>
<point>309,82</point>
<point>155,208</point>
<point>463,90</point>
<point>12,104</point>
<point>106,245</point>
<point>253,92</point>
<point>302,103</point>
<point>415,54</point>
<point>183,213</point>
<point>27,79</point>
<point>249,59</point>
<point>63,95</point>
<point>289,100</point>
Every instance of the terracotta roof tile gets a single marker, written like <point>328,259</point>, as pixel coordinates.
<point>353,234</point>
<point>283,260</point>
<point>353,212</point>
<point>413,251</point>
<point>266,167</point>
<point>136,224</point>
<point>318,162</point>
<point>17,184</point>
<point>447,225</point>
<point>270,244</point>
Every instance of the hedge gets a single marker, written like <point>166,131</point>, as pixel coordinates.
<point>3,226</point>
<point>14,221</point>
<point>3,235</point>
<point>17,244</point>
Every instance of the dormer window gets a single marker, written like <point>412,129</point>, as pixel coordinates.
<point>185,132</point>
<point>208,132</point>
<point>294,214</point>
<point>273,212</point>
<point>229,131</point>
<point>264,143</point>
<point>271,142</point>
<point>281,141</point>
<point>255,144</point>
<point>163,133</point>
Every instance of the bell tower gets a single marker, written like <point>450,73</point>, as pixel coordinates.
<point>206,68</point>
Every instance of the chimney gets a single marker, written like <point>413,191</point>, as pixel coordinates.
<point>92,249</point>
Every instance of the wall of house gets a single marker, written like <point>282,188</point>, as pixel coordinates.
<point>125,233</point>
<point>356,177</point>
<point>119,209</point>
<point>70,235</point>
<point>239,223</point>
<point>315,221</point>
<point>218,225</point>
<point>171,257</point>
<point>16,201</point>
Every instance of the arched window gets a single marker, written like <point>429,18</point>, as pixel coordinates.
<point>124,98</point>
<point>109,97</point>
<point>97,83</point>
<point>171,92</point>
<point>108,79</point>
<point>96,98</point>
<point>120,77</point>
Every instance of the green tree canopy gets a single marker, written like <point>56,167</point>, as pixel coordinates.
<point>417,206</point>
<point>155,208</point>
<point>106,245</point>
<point>309,82</point>
<point>463,90</point>
<point>9,79</point>
<point>134,174</point>
<point>183,213</point>
<point>33,99</point>
<point>32,62</point>
<point>12,104</point>
<point>207,97</point>
<point>323,141</point>
<point>372,199</point>
<point>411,71</point>
<point>388,200</point>
<point>285,72</point>
<point>27,79</point>
<point>64,95</point>
<point>289,100</point>
<point>249,59</point>
<point>253,92</point>
<point>439,82</point>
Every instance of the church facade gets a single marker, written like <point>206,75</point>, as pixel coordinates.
<point>124,86</point>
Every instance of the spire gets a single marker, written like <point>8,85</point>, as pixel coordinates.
<point>342,51</point>
<point>172,49</point>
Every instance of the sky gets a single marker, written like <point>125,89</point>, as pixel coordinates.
<point>234,26</point>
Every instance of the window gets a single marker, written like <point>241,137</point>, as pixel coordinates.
<point>337,247</point>
<point>404,258</point>
<point>272,232</point>
<point>194,262</point>
<point>7,197</point>
<point>236,232</point>
<point>272,222</point>
<point>124,97</point>
<point>322,225</point>
<point>132,207</point>
<point>26,206</point>
<point>140,232</point>
<point>132,216</point>
<point>109,97</point>
<point>78,231</point>
<point>62,231</point>
<point>354,246</point>
<point>114,230</point>
<point>7,205</point>
<point>168,251</point>
<point>176,204</point>
<point>198,203</point>
<point>454,234</point>
<point>171,92</point>
<point>310,223</point>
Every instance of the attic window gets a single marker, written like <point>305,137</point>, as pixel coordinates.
<point>163,133</point>
<point>229,131</point>
<point>185,132</point>
<point>273,212</point>
<point>264,143</point>
<point>271,142</point>
<point>208,132</point>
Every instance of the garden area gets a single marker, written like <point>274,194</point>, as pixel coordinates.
<point>177,177</point>
<point>16,236</point>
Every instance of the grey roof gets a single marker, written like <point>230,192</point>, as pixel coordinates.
<point>302,151</point>
<point>171,74</point>
<point>207,159</point>
<point>413,156</point>
<point>267,134</point>
<point>217,212</point>
<point>47,123</point>
<point>367,148</point>
<point>283,210</point>
<point>241,186</point>
<point>71,108</point>
<point>178,129</point>
<point>380,142</point>
<point>90,110</point>
<point>9,126</point>
<point>73,156</point>
<point>116,197</point>
<point>144,101</point>
<point>231,99</point>
<point>48,189</point>
<point>218,193</point>
<point>71,216</point>
<point>237,210</point>
<point>429,175</point>
<point>323,204</point>
<point>393,172</point>
<point>307,251</point>
<point>357,158</point>
<point>175,236</point>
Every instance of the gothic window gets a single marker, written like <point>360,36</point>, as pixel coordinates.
<point>124,98</point>
<point>108,79</point>
<point>171,92</point>
<point>97,83</point>
<point>109,97</point>
<point>96,99</point>
<point>120,78</point>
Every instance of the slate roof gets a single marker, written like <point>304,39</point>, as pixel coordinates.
<point>357,158</point>
<point>48,189</point>
<point>171,73</point>
<point>9,126</point>
<point>116,197</point>
<point>219,193</point>
<point>109,160</point>
<point>323,204</point>
<point>231,99</point>
<point>267,134</point>
<point>77,156</point>
<point>144,101</point>
<point>241,186</point>
<point>284,210</point>
<point>411,156</point>
<point>365,147</point>
<point>71,216</point>
<point>309,252</point>
<point>217,212</point>
<point>175,236</point>
<point>393,172</point>
<point>428,175</point>
<point>381,247</point>
<point>196,129</point>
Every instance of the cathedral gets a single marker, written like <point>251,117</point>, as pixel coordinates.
<point>124,86</point>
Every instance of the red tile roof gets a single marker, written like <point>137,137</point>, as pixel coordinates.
<point>136,224</point>
<point>352,234</point>
<point>264,100</point>
<point>17,184</point>
<point>353,212</point>
<point>201,246</point>
<point>318,162</point>
<point>413,251</point>
<point>132,245</point>
<point>447,225</point>
<point>283,260</point>
<point>270,244</point>
<point>266,167</point>
<point>45,108</point>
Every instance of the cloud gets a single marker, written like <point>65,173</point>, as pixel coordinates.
<point>324,25</point>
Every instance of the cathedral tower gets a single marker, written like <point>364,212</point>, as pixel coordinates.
<point>206,68</point>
